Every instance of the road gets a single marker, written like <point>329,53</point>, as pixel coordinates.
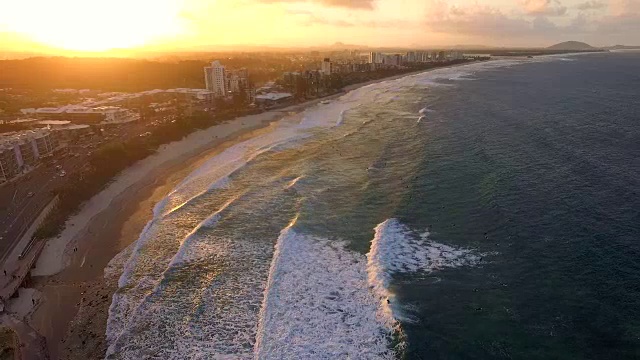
<point>19,209</point>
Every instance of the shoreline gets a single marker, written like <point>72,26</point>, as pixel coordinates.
<point>75,294</point>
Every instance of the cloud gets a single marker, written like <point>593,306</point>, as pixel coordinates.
<point>591,5</point>
<point>351,4</point>
<point>310,19</point>
<point>478,20</point>
<point>315,20</point>
<point>544,7</point>
<point>624,7</point>
<point>540,22</point>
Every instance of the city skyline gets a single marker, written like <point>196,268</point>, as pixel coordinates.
<point>70,27</point>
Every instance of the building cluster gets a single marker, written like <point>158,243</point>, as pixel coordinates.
<point>316,82</point>
<point>22,151</point>
<point>413,57</point>
<point>224,83</point>
<point>102,115</point>
<point>378,60</point>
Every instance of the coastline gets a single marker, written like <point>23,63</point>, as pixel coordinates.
<point>73,307</point>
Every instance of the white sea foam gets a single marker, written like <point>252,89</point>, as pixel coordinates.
<point>324,301</point>
<point>425,110</point>
<point>400,249</point>
<point>115,267</point>
<point>293,182</point>
<point>397,249</point>
<point>206,304</point>
<point>318,304</point>
<point>340,118</point>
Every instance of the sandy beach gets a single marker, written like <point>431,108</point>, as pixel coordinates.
<point>72,309</point>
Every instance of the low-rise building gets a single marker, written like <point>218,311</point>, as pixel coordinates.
<point>86,115</point>
<point>73,133</point>
<point>9,167</point>
<point>237,80</point>
<point>271,99</point>
<point>455,55</point>
<point>53,124</point>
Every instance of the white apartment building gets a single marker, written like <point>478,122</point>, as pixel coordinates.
<point>327,66</point>
<point>215,79</point>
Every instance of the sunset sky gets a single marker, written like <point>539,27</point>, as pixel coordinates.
<point>98,25</point>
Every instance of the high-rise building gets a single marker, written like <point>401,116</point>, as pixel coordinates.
<point>215,79</point>
<point>393,60</point>
<point>327,66</point>
<point>422,56</point>
<point>376,58</point>
<point>412,57</point>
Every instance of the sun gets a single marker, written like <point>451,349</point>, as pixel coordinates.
<point>93,25</point>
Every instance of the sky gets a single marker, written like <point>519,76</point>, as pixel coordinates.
<point>68,26</point>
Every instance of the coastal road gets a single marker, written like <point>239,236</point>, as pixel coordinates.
<point>18,209</point>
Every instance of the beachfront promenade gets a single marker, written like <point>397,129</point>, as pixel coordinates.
<point>15,270</point>
<point>17,264</point>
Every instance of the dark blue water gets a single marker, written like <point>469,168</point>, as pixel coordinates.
<point>541,164</point>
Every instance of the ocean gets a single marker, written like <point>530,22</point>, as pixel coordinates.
<point>489,211</point>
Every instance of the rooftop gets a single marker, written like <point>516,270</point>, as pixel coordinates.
<point>14,138</point>
<point>273,96</point>
<point>53,122</point>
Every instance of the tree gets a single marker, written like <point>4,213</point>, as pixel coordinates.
<point>240,99</point>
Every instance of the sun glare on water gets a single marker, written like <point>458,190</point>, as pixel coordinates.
<point>93,25</point>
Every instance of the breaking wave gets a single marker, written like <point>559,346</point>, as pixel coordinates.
<point>317,304</point>
<point>397,249</point>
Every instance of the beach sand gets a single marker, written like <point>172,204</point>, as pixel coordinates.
<point>75,294</point>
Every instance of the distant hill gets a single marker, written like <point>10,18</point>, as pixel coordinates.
<point>571,45</point>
